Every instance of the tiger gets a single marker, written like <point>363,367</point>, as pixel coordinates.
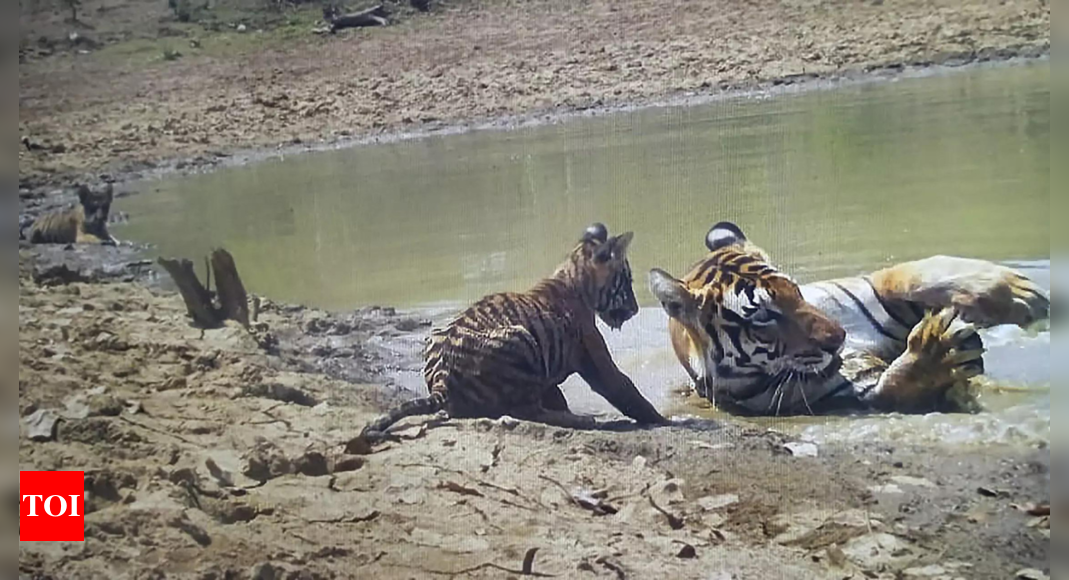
<point>87,223</point>
<point>901,339</point>
<point>508,353</point>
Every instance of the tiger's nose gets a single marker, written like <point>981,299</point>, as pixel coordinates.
<point>830,337</point>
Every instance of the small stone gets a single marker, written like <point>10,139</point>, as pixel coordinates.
<point>1030,574</point>
<point>890,489</point>
<point>715,502</point>
<point>687,552</point>
<point>265,461</point>
<point>507,422</point>
<point>925,572</point>
<point>41,425</point>
<point>312,464</point>
<point>104,406</point>
<point>912,481</point>
<point>639,462</point>
<point>802,449</point>
<point>242,28</point>
<point>264,571</point>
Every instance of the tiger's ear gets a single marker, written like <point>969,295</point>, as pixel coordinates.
<point>615,248</point>
<point>597,232</point>
<point>673,295</point>
<point>722,235</point>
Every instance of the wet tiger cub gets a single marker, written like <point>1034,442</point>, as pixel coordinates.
<point>508,353</point>
<point>85,224</point>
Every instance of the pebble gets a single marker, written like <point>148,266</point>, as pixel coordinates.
<point>802,449</point>
<point>264,571</point>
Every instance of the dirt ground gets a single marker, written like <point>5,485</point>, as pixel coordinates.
<point>111,101</point>
<point>225,453</point>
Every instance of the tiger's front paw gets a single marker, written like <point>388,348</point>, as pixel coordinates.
<point>942,352</point>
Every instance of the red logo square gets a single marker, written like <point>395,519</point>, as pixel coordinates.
<point>51,506</point>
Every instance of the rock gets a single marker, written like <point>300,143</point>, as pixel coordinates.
<point>925,572</point>
<point>312,464</point>
<point>265,461</point>
<point>714,502</point>
<point>687,552</point>
<point>507,423</point>
<point>242,28</point>
<point>104,406</point>
<point>183,524</point>
<point>280,392</point>
<point>347,463</point>
<point>41,425</point>
<point>872,551</point>
<point>1030,574</point>
<point>264,571</point>
<point>802,449</point>
<point>889,488</point>
<point>221,476</point>
<point>912,481</point>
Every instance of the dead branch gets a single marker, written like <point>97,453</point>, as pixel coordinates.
<point>202,307</point>
<point>159,431</point>
<point>197,298</point>
<point>457,488</point>
<point>487,565</point>
<point>674,521</point>
<point>374,16</point>
<point>349,520</point>
<point>233,300</point>
<point>613,567</point>
<point>561,487</point>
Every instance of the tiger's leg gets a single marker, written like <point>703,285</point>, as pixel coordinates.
<point>555,417</point>
<point>88,238</point>
<point>985,293</point>
<point>553,400</point>
<point>600,372</point>
<point>942,352</point>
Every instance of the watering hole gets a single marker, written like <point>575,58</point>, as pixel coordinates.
<point>830,182</point>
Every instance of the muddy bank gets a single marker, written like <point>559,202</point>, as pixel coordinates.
<point>220,454</point>
<point>122,109</point>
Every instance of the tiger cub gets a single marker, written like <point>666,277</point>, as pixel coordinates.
<point>508,353</point>
<point>85,224</point>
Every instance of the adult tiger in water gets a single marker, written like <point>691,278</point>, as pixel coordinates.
<point>898,340</point>
<point>508,353</point>
<point>86,223</point>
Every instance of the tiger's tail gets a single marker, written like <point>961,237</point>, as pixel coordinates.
<point>429,405</point>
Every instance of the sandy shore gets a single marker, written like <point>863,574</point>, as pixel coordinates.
<point>215,454</point>
<point>222,454</point>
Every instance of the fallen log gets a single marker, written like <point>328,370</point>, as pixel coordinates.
<point>205,311</point>
<point>374,16</point>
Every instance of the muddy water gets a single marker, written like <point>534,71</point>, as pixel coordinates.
<point>832,182</point>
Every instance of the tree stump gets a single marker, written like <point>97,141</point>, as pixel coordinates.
<point>204,309</point>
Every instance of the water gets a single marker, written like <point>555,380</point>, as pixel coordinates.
<point>831,183</point>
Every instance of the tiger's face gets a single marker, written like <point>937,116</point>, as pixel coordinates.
<point>612,285</point>
<point>740,326</point>
<point>95,208</point>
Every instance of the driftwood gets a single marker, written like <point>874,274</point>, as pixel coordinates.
<point>233,302</point>
<point>374,16</point>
